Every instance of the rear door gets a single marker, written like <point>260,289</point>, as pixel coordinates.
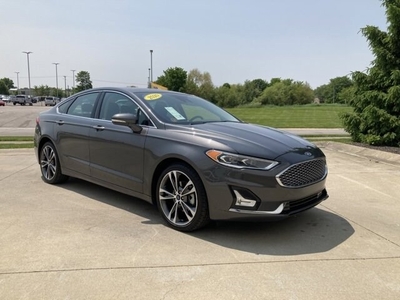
<point>116,153</point>
<point>73,126</point>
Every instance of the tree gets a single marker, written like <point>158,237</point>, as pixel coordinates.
<point>286,92</point>
<point>174,79</point>
<point>5,85</point>
<point>3,88</point>
<point>253,89</point>
<point>376,102</point>
<point>84,82</point>
<point>227,96</point>
<point>42,90</point>
<point>328,93</point>
<point>200,84</point>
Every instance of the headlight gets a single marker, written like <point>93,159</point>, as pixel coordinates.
<point>240,161</point>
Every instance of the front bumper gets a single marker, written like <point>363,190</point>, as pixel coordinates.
<point>257,195</point>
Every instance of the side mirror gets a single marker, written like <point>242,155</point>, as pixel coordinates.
<point>129,120</point>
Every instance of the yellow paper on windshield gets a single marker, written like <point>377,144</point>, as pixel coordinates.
<point>150,97</point>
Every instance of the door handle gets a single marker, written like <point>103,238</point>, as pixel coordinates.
<point>60,122</point>
<point>99,127</point>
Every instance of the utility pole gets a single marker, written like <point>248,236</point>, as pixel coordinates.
<point>151,65</point>
<point>73,81</point>
<point>29,71</point>
<point>56,64</point>
<point>17,82</point>
<point>65,86</point>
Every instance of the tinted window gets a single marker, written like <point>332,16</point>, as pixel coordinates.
<point>64,107</point>
<point>83,106</point>
<point>115,103</point>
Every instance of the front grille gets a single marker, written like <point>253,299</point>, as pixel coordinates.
<point>303,174</point>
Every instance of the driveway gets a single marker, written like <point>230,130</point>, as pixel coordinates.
<point>81,241</point>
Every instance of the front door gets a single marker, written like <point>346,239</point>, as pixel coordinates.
<point>116,153</point>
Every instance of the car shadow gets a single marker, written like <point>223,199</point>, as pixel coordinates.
<point>314,231</point>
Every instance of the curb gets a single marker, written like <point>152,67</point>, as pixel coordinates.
<point>371,154</point>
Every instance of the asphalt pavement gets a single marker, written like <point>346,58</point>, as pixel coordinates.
<point>81,241</point>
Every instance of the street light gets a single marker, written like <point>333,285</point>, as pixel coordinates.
<point>56,78</point>
<point>17,82</point>
<point>29,72</point>
<point>73,79</point>
<point>149,83</point>
<point>151,65</point>
<point>65,86</point>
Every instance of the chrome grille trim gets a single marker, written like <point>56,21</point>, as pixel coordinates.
<point>303,174</point>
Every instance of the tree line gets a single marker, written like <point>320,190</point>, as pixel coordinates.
<point>82,78</point>
<point>255,92</point>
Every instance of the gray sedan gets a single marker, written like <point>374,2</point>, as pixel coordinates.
<point>190,158</point>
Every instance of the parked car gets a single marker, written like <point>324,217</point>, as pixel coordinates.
<point>50,101</point>
<point>192,159</point>
<point>22,100</point>
<point>2,103</point>
<point>6,99</point>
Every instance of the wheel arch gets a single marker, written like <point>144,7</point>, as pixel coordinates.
<point>43,141</point>
<point>161,167</point>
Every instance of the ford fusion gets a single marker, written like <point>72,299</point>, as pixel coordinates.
<point>190,158</point>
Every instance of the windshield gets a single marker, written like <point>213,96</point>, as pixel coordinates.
<point>184,109</point>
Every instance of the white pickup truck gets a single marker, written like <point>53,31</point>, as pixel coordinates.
<point>22,100</point>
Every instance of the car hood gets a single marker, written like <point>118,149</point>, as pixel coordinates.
<point>253,140</point>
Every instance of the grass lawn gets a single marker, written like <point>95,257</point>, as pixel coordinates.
<point>296,116</point>
<point>15,142</point>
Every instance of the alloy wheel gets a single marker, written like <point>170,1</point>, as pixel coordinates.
<point>48,163</point>
<point>178,198</point>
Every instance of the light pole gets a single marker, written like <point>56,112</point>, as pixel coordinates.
<point>149,83</point>
<point>151,65</point>
<point>17,82</point>
<point>29,71</point>
<point>73,80</point>
<point>56,78</point>
<point>65,86</point>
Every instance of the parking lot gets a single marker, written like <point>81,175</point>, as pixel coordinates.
<point>17,120</point>
<point>81,241</point>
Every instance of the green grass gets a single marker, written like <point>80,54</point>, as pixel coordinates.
<point>16,142</point>
<point>296,116</point>
<point>16,138</point>
<point>16,146</point>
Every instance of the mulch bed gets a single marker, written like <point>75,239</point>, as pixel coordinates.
<point>380,148</point>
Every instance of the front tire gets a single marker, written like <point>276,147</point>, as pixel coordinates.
<point>50,165</point>
<point>181,198</point>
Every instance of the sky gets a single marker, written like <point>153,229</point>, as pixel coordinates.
<point>308,40</point>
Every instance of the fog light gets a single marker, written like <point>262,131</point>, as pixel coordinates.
<point>242,201</point>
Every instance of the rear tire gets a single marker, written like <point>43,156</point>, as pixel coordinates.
<point>181,198</point>
<point>50,165</point>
